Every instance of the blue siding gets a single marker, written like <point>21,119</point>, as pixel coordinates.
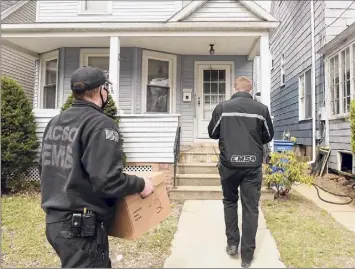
<point>72,62</point>
<point>293,38</point>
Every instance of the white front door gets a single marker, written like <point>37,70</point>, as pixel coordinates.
<point>214,87</point>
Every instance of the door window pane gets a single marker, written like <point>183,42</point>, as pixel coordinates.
<point>214,89</point>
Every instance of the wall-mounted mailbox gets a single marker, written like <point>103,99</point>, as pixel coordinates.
<point>187,95</point>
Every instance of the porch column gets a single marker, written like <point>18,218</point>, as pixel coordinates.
<point>265,74</point>
<point>265,71</point>
<point>114,69</point>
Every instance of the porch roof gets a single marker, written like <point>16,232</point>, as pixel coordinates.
<point>190,38</point>
<point>223,45</point>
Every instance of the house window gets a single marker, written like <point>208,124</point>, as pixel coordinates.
<point>345,73</point>
<point>341,83</point>
<point>158,87</point>
<point>99,58</point>
<point>334,85</point>
<point>305,96</point>
<point>95,6</point>
<point>102,62</point>
<point>49,80</point>
<point>158,82</point>
<point>282,69</point>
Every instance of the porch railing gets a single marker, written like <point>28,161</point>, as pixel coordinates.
<point>176,151</point>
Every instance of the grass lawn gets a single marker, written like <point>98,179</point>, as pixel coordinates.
<point>308,236</point>
<point>24,243</point>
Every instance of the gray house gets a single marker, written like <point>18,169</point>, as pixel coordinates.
<point>171,62</point>
<point>313,76</point>
<point>16,62</point>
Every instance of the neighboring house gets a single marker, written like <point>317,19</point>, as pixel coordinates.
<point>158,54</point>
<point>308,99</point>
<point>16,62</point>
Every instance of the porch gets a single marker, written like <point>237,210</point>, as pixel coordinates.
<point>158,75</point>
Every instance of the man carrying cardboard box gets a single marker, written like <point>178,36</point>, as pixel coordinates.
<point>81,174</point>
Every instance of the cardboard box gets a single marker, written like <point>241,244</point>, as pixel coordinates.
<point>134,216</point>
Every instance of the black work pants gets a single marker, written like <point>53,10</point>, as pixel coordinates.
<point>79,252</point>
<point>249,180</point>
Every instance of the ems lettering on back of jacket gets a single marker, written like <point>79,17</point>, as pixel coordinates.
<point>58,146</point>
<point>242,126</point>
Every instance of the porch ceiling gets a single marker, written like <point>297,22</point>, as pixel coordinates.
<point>223,45</point>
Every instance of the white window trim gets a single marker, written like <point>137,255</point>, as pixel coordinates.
<point>172,59</point>
<point>342,115</point>
<point>53,55</point>
<point>299,97</point>
<point>86,53</point>
<point>82,10</point>
<point>339,152</point>
<point>282,69</point>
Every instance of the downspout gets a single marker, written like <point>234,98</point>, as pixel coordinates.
<point>313,74</point>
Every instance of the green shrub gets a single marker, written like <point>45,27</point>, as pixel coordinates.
<point>19,142</point>
<point>352,125</point>
<point>110,110</point>
<point>294,171</point>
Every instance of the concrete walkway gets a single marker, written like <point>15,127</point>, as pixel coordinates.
<point>344,214</point>
<point>200,240</point>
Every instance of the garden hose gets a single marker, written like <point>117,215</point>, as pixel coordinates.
<point>335,194</point>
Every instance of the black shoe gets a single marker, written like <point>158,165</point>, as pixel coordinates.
<point>232,250</point>
<point>246,264</point>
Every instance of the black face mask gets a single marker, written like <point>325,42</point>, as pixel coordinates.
<point>102,99</point>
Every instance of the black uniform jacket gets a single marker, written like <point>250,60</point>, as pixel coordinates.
<point>242,126</point>
<point>81,164</point>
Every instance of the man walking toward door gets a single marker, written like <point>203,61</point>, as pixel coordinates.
<point>242,126</point>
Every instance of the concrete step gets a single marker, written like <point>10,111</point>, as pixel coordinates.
<point>198,157</point>
<point>197,168</point>
<point>196,193</point>
<point>198,180</point>
<point>206,193</point>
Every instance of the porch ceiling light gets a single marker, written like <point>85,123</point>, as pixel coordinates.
<point>211,49</point>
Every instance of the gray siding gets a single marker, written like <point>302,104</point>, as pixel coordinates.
<point>243,67</point>
<point>25,14</point>
<point>7,4</point>
<point>339,139</point>
<point>71,63</point>
<point>70,57</point>
<point>293,38</point>
<point>122,11</point>
<point>126,79</point>
<point>338,16</point>
<point>20,67</point>
<point>226,10</point>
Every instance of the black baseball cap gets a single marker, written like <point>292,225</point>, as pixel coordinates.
<point>87,78</point>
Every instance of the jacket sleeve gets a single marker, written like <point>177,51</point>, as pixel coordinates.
<point>267,128</point>
<point>215,123</point>
<point>102,159</point>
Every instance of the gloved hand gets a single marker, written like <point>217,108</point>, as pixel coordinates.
<point>148,187</point>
